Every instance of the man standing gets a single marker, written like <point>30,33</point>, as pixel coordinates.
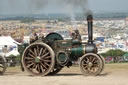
<point>33,37</point>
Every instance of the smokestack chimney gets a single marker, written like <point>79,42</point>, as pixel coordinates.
<point>90,29</point>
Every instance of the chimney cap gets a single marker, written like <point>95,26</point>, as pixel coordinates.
<point>89,17</point>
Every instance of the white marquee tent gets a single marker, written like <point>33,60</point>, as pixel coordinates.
<point>9,42</point>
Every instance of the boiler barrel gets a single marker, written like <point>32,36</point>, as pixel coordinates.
<point>83,49</point>
<point>78,51</point>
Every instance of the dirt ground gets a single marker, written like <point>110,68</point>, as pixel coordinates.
<point>114,74</point>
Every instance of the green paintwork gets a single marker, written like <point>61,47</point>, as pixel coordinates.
<point>68,44</point>
<point>63,44</point>
<point>71,47</point>
<point>75,42</point>
<point>78,51</point>
<point>54,36</point>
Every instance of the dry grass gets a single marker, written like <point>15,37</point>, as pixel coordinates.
<point>114,74</point>
<point>76,69</point>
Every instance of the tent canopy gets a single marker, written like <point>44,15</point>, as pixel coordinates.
<point>15,53</point>
<point>7,40</point>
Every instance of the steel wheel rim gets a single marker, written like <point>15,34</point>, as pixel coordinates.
<point>91,65</point>
<point>38,59</point>
<point>103,62</point>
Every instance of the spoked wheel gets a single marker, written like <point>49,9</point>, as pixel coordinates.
<point>103,62</point>
<point>3,64</point>
<point>38,59</point>
<point>55,71</point>
<point>91,64</point>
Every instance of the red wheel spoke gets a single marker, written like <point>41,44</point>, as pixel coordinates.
<point>41,68</point>
<point>29,65</point>
<point>33,66</point>
<point>29,58</point>
<point>44,51</point>
<point>40,51</point>
<point>38,68</point>
<point>45,55</point>
<point>31,55</point>
<point>35,51</point>
<point>27,62</point>
<point>32,52</point>
<point>46,60</point>
<point>44,66</point>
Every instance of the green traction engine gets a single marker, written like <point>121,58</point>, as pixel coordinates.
<point>49,55</point>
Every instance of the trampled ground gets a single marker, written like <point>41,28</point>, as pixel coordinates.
<point>114,74</point>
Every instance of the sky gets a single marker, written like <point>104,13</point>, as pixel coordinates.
<point>53,6</point>
<point>109,5</point>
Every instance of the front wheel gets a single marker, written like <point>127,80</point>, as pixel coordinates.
<point>103,62</point>
<point>91,64</point>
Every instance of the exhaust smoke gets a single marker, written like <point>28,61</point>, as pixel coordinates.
<point>72,6</point>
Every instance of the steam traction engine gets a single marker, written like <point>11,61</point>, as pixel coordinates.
<point>48,55</point>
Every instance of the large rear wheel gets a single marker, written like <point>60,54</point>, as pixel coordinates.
<point>91,64</point>
<point>38,59</point>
